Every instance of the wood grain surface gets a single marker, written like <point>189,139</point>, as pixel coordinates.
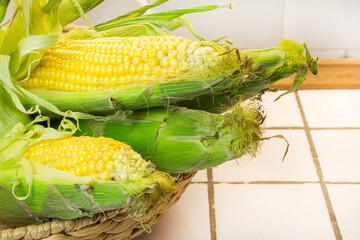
<point>333,74</point>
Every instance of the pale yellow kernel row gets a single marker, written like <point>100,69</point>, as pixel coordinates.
<point>85,72</point>
<point>91,62</point>
<point>114,57</point>
<point>100,83</point>
<point>125,49</point>
<point>126,40</point>
<point>118,45</point>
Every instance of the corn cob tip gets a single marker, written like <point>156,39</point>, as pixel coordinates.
<point>245,126</point>
<point>294,51</point>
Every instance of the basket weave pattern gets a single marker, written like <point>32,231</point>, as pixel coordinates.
<point>114,224</point>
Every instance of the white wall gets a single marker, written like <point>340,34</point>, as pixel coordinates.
<point>331,28</point>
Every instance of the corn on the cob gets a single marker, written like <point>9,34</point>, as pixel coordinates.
<point>44,174</point>
<point>181,140</point>
<point>101,158</point>
<point>123,62</point>
<point>141,72</point>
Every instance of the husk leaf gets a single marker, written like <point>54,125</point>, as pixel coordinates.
<point>179,140</point>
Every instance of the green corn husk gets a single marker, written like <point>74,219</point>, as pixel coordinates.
<point>255,71</point>
<point>265,74</point>
<point>32,193</point>
<point>9,114</point>
<point>3,7</point>
<point>179,140</point>
<point>69,12</point>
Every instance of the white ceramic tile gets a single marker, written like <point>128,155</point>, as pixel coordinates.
<point>353,53</point>
<point>323,23</point>
<point>323,54</point>
<point>267,166</point>
<point>200,176</point>
<point>331,108</point>
<point>256,212</point>
<point>187,219</point>
<point>249,24</point>
<point>345,201</point>
<point>338,152</point>
<point>283,112</point>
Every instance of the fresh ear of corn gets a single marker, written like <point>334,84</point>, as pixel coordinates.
<point>141,72</point>
<point>181,140</point>
<point>101,158</point>
<point>135,72</point>
<point>118,63</point>
<point>45,173</point>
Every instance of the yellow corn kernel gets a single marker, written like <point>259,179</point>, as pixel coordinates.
<point>105,176</point>
<point>173,54</point>
<point>81,156</point>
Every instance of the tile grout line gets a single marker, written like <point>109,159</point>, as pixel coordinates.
<point>211,197</point>
<point>284,128</point>
<point>267,182</point>
<point>319,172</point>
<point>334,128</point>
<point>283,20</point>
<point>312,128</point>
<point>274,182</point>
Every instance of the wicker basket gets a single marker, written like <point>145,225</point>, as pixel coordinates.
<point>114,224</point>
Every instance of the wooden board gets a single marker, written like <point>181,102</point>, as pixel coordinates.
<point>333,74</point>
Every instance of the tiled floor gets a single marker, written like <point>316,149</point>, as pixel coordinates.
<point>313,194</point>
